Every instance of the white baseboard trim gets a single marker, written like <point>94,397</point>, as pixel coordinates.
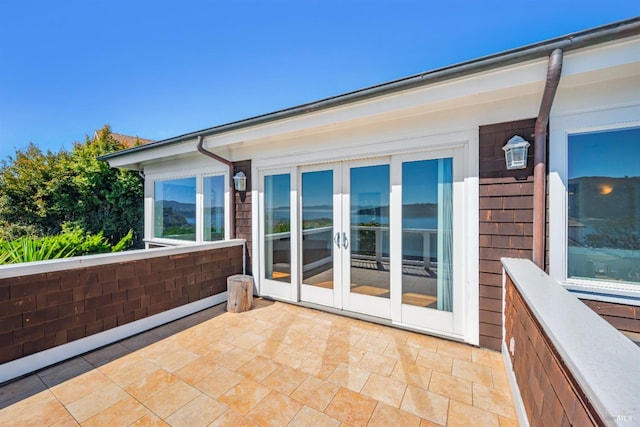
<point>33,362</point>
<point>521,411</point>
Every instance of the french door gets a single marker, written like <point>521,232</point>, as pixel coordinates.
<point>373,237</point>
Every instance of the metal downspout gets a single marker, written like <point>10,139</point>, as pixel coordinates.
<point>232,190</point>
<point>554,70</point>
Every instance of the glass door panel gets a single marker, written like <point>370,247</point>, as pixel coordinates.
<point>277,227</point>
<point>369,220</point>
<point>317,229</point>
<point>427,239</point>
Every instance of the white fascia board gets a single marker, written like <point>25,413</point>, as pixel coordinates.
<point>601,60</point>
<point>136,160</point>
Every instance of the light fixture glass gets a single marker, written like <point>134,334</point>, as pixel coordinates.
<point>240,181</point>
<point>515,152</point>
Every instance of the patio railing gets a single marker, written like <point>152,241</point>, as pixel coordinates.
<point>568,365</point>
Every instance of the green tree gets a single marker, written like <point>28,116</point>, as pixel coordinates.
<point>39,192</point>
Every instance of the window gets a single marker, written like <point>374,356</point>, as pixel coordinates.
<point>213,207</point>
<point>603,229</point>
<point>277,226</point>
<point>175,209</point>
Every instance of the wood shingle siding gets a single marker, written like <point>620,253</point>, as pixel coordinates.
<point>506,220</point>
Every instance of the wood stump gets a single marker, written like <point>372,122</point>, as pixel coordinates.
<point>239,293</point>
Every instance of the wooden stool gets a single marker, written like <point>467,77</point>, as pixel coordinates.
<point>239,293</point>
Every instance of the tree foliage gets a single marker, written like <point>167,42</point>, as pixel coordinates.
<point>41,192</point>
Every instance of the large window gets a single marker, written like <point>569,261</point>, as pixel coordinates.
<point>277,226</point>
<point>213,189</point>
<point>603,230</point>
<point>175,209</point>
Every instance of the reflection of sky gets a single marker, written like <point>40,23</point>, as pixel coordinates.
<point>370,186</point>
<point>277,191</point>
<point>317,188</point>
<point>610,153</point>
<point>420,182</point>
<point>177,190</point>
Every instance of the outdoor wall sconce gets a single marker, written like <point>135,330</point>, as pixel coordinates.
<point>240,181</point>
<point>515,153</point>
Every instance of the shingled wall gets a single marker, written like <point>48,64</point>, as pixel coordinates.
<point>41,311</point>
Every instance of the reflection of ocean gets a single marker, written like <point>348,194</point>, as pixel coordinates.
<point>191,221</point>
<point>311,214</point>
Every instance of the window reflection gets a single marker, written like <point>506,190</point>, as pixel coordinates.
<point>277,226</point>
<point>213,188</point>
<point>175,209</point>
<point>604,206</point>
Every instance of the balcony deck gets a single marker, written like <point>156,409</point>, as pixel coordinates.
<point>275,365</point>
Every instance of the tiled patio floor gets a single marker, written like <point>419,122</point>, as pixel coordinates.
<point>275,365</point>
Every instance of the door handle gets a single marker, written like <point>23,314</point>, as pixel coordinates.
<point>336,239</point>
<point>345,241</point>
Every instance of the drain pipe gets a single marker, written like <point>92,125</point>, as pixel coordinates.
<point>540,157</point>
<point>232,190</point>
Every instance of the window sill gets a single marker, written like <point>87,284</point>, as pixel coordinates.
<point>605,294</point>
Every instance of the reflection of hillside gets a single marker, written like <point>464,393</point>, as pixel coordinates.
<point>416,210</point>
<point>187,209</point>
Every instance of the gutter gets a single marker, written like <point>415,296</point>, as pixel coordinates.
<point>614,31</point>
<point>232,189</point>
<point>554,70</point>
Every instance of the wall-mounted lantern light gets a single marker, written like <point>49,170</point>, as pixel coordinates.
<point>515,153</point>
<point>240,181</point>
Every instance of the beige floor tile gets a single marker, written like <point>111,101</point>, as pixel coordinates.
<point>500,380</point>
<point>267,348</point>
<point>376,344</point>
<point>149,420</point>
<point>197,370</point>
<point>248,340</point>
<point>455,350</point>
<point>493,400</point>
<point>122,413</point>
<point>349,376</point>
<point>258,368</point>
<point>507,422</point>
<point>284,379</point>
<point>402,352</point>
<point>199,412</point>
<point>235,358</point>
<point>307,417</point>
<point>315,393</point>
<point>413,374</point>
<point>435,361</point>
<point>153,383</point>
<point>469,371</point>
<point>125,372</point>
<point>384,389</point>
<point>171,399</point>
<point>244,396</point>
<point>218,382</point>
<point>318,366</point>
<point>451,387</point>
<point>37,410</point>
<point>385,416</point>
<point>78,387</point>
<point>462,415</point>
<point>425,404</point>
<point>345,353</point>
<point>67,421</point>
<point>95,402</point>
<point>351,408</point>
<point>291,356</point>
<point>230,418</point>
<point>374,362</point>
<point>274,410</point>
<point>173,359</point>
<point>423,342</point>
<point>485,357</point>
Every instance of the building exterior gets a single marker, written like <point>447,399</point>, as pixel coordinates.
<point>394,202</point>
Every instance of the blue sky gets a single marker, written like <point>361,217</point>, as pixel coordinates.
<point>159,68</point>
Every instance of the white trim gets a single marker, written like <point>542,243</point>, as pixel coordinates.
<point>34,362</point>
<point>521,411</point>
